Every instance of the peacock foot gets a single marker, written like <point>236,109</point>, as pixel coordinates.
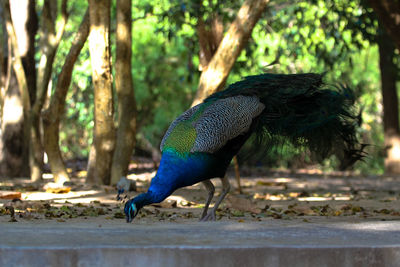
<point>209,217</point>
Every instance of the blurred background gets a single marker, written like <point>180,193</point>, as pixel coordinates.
<point>95,84</point>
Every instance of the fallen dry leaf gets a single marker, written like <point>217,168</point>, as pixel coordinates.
<point>166,204</point>
<point>60,190</point>
<point>10,195</point>
<point>242,204</point>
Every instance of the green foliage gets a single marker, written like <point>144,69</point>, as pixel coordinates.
<point>335,37</point>
<point>164,79</point>
<point>77,126</point>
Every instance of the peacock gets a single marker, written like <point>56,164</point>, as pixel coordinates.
<point>266,109</point>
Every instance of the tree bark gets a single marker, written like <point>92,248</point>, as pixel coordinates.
<point>12,121</point>
<point>21,45</point>
<point>12,132</point>
<point>388,13</point>
<point>126,98</point>
<point>49,42</point>
<point>214,77</point>
<point>52,116</point>
<point>20,75</point>
<point>104,133</point>
<point>25,21</point>
<point>209,39</point>
<point>390,104</point>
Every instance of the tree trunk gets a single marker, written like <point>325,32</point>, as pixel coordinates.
<point>49,42</point>
<point>12,132</point>
<point>25,26</point>
<point>390,104</point>
<point>104,133</point>
<point>20,75</point>
<point>12,121</point>
<point>52,116</point>
<point>218,56</point>
<point>22,43</point>
<point>388,13</point>
<point>126,98</point>
<point>214,77</point>
<point>209,39</point>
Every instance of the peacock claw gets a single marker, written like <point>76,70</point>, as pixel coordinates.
<point>209,217</point>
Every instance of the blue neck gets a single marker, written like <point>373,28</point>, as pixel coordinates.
<point>145,199</point>
<point>175,171</point>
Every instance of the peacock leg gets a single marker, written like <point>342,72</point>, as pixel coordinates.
<point>211,190</point>
<point>225,190</point>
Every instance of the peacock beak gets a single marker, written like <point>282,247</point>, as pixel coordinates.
<point>130,211</point>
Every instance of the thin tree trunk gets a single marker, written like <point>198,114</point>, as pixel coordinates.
<point>214,77</point>
<point>209,39</point>
<point>19,72</point>
<point>52,116</point>
<point>388,14</point>
<point>126,98</point>
<point>25,27</point>
<point>21,33</point>
<point>218,57</point>
<point>12,118</point>
<point>49,43</point>
<point>12,132</point>
<point>104,133</point>
<point>390,104</point>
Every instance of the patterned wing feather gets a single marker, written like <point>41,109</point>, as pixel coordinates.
<point>224,120</point>
<point>207,127</point>
<point>185,116</point>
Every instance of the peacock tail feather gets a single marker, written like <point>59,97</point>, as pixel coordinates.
<point>302,110</point>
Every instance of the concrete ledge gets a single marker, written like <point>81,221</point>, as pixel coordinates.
<point>272,243</point>
<point>189,256</point>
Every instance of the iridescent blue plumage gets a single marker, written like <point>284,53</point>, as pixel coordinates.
<point>175,171</point>
<point>200,143</point>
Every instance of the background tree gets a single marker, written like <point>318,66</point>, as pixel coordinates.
<point>388,13</point>
<point>213,78</point>
<point>56,109</point>
<point>124,86</point>
<point>22,30</point>
<point>48,44</point>
<point>99,166</point>
<point>19,72</point>
<point>14,145</point>
<point>390,101</point>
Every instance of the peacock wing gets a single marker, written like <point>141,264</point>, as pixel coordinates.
<point>224,120</point>
<point>181,134</point>
<point>207,127</point>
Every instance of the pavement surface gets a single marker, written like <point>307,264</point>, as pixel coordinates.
<point>269,243</point>
<point>281,220</point>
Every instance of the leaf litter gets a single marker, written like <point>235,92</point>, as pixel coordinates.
<point>264,198</point>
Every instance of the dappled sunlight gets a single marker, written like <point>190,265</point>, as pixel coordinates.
<point>78,196</point>
<point>147,176</point>
<point>14,113</point>
<point>181,201</point>
<point>287,197</point>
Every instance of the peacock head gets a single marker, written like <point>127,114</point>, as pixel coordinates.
<point>131,210</point>
<point>133,206</point>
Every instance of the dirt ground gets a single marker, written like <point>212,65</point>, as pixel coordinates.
<point>306,196</point>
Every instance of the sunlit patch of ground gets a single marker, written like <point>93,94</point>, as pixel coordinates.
<point>302,196</point>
